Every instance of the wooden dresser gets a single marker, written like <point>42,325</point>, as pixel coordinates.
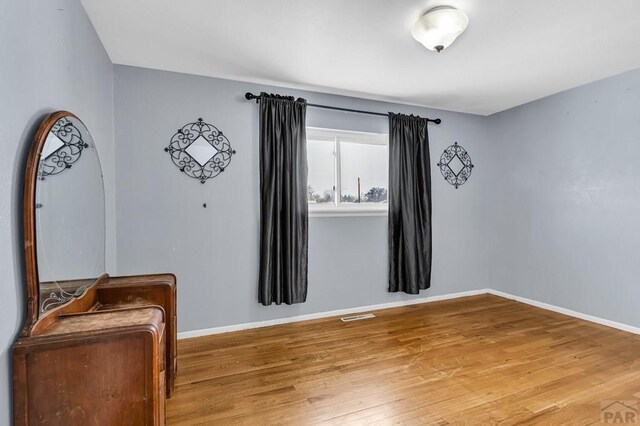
<point>106,358</point>
<point>93,351</point>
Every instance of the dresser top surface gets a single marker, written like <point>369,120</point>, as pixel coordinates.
<point>101,320</point>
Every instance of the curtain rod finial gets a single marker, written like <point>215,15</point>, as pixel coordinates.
<point>437,121</point>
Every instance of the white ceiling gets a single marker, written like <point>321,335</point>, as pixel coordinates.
<point>513,52</point>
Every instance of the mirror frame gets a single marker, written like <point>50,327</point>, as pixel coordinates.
<point>29,226</point>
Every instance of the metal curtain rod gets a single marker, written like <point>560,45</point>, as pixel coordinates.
<point>250,96</point>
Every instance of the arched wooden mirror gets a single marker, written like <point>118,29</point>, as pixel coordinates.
<point>64,215</point>
<point>75,311</point>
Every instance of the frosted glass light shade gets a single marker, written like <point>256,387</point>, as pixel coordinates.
<point>439,27</point>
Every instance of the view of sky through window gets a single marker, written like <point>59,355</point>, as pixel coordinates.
<point>352,168</point>
<point>321,177</point>
<point>369,163</point>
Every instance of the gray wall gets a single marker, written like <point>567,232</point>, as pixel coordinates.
<point>567,230</point>
<point>162,225</point>
<point>51,59</point>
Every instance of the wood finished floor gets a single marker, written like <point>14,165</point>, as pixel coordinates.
<point>475,360</point>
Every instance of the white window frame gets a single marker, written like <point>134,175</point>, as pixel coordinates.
<point>337,208</point>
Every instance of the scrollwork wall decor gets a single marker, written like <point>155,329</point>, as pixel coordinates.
<point>63,147</point>
<point>455,165</point>
<point>200,150</point>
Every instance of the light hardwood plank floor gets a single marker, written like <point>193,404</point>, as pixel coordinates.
<point>475,360</point>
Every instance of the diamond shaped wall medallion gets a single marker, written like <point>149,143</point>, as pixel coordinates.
<point>455,165</point>
<point>62,148</point>
<point>200,150</point>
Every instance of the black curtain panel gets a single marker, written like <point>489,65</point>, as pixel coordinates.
<point>283,200</point>
<point>409,204</point>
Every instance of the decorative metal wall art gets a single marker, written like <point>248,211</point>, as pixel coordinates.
<point>455,165</point>
<point>62,148</point>
<point>200,150</point>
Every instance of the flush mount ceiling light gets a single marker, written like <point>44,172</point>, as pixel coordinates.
<point>439,27</point>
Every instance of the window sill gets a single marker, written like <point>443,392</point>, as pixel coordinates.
<point>347,212</point>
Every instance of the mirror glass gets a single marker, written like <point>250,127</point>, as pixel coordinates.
<point>70,221</point>
<point>456,165</point>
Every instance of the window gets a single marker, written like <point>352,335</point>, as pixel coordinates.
<point>348,172</point>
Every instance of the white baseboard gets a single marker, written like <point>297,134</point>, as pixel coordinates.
<point>591,318</point>
<point>358,309</point>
